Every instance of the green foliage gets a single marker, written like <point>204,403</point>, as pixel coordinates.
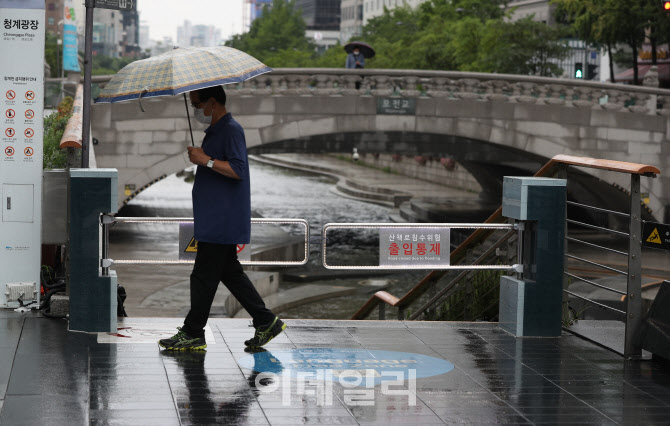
<point>611,22</point>
<point>106,65</point>
<point>522,47</point>
<point>481,303</point>
<point>52,52</point>
<point>54,126</point>
<point>466,35</point>
<point>277,38</point>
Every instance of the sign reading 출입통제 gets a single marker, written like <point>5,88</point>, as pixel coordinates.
<point>114,4</point>
<point>414,246</point>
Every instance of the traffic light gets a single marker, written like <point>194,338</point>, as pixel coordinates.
<point>579,70</point>
<point>666,5</point>
<point>591,70</point>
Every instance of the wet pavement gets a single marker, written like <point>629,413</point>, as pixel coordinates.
<point>319,372</point>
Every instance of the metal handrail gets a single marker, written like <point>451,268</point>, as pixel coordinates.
<point>598,228</point>
<point>462,275</point>
<point>108,220</point>
<point>633,301</point>
<point>586,206</point>
<point>623,253</point>
<point>594,283</point>
<point>602,305</point>
<point>590,262</point>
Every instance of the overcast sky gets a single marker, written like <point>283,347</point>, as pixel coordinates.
<point>164,16</point>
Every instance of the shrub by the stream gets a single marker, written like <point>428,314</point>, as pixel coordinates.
<point>54,125</point>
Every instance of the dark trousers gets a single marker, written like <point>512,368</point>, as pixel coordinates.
<point>216,263</point>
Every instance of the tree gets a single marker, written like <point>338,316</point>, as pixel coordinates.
<point>468,35</point>
<point>52,51</point>
<point>611,22</point>
<point>522,47</point>
<point>277,37</point>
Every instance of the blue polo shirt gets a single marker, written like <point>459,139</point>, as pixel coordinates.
<point>222,205</point>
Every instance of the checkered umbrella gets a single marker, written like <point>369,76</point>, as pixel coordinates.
<point>181,70</point>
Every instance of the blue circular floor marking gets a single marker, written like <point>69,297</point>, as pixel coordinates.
<point>380,364</point>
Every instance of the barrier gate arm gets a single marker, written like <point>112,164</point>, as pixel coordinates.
<point>106,221</point>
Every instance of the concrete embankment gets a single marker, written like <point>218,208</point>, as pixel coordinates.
<point>413,199</point>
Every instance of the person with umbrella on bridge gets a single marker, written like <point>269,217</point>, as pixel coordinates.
<point>221,191</point>
<point>358,51</point>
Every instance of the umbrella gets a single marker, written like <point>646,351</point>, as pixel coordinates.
<point>181,70</point>
<point>366,49</point>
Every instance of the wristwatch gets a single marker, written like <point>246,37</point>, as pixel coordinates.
<point>210,163</point>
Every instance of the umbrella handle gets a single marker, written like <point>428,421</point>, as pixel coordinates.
<point>188,116</point>
<point>140,98</point>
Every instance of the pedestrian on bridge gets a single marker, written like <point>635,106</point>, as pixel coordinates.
<point>222,220</point>
<point>355,59</point>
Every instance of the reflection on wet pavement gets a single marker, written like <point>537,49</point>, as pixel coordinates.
<point>323,372</point>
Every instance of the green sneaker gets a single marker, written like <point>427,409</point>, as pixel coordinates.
<point>266,333</point>
<point>183,342</point>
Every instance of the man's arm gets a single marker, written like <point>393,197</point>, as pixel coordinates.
<point>197,156</point>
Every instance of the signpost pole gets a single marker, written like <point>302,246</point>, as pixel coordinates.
<point>88,54</point>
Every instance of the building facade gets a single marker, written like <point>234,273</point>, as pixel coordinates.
<point>320,15</point>
<point>351,21</point>
<point>54,16</point>
<point>189,35</point>
<point>130,41</point>
<point>322,18</point>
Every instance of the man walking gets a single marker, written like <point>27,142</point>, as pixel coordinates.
<point>222,216</point>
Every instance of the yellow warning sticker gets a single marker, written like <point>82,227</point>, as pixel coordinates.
<point>654,237</point>
<point>192,246</point>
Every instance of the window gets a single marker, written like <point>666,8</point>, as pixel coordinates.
<point>51,20</point>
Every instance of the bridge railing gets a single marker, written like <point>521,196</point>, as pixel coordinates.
<point>452,85</point>
<point>502,248</point>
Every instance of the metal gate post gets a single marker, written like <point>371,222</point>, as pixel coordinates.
<point>634,288</point>
<point>93,296</point>
<point>530,306</point>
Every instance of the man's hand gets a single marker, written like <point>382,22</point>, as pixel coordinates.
<point>197,156</point>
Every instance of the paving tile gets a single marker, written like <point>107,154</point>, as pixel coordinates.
<point>36,409</point>
<point>313,420</point>
<point>134,422</point>
<point>496,379</point>
<point>137,414</point>
<point>6,362</point>
<point>10,331</point>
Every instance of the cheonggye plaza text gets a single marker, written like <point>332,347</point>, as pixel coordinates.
<point>359,389</point>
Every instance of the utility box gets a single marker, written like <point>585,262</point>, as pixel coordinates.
<point>21,140</point>
<point>93,293</point>
<point>530,304</point>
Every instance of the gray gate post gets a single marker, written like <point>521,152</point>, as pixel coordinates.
<point>530,304</point>
<point>93,297</point>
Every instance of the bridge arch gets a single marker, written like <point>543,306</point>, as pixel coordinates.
<point>480,119</point>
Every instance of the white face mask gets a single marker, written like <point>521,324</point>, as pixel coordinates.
<point>199,115</point>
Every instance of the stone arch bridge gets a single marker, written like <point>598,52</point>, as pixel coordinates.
<point>492,124</point>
